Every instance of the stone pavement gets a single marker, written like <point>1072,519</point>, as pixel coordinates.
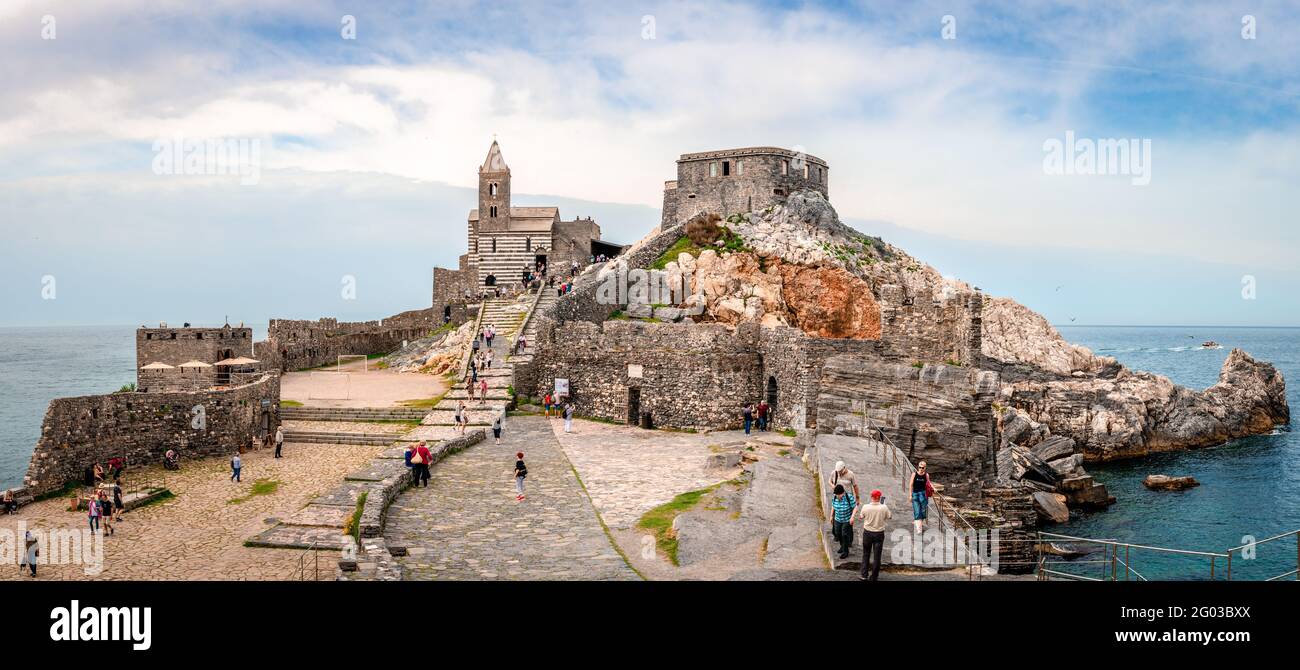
<point>200,533</point>
<point>629,471</point>
<point>467,524</point>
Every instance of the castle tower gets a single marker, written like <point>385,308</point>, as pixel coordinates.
<point>494,191</point>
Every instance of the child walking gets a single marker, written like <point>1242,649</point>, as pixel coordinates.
<point>521,471</point>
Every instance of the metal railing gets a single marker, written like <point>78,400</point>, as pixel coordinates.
<point>897,460</point>
<point>300,573</point>
<point>1117,558</point>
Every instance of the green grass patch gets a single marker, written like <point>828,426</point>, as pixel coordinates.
<point>659,520</point>
<point>424,403</point>
<point>353,526</point>
<point>788,432</point>
<point>290,403</point>
<point>261,487</point>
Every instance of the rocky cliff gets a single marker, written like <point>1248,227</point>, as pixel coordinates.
<point>797,264</point>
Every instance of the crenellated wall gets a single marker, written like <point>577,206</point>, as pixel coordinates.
<point>297,345</point>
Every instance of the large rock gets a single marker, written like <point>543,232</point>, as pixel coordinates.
<point>1028,466</point>
<point>1051,506</point>
<point>1125,414</point>
<point>1053,447</point>
<point>1167,483</point>
<point>1067,466</point>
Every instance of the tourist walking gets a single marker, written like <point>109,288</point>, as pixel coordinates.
<point>279,441</point>
<point>420,458</point>
<point>482,396</point>
<point>105,512</point>
<point>118,507</point>
<point>92,512</point>
<point>30,552</point>
<point>843,505</point>
<point>568,417</point>
<point>496,429</point>
<point>235,464</point>
<point>546,404</point>
<point>921,488</point>
<point>521,471</point>
<point>521,345</point>
<point>462,419</point>
<point>748,415</point>
<point>843,475</point>
<point>763,410</point>
<point>469,389</point>
<point>874,516</point>
<point>488,358</point>
<point>11,505</point>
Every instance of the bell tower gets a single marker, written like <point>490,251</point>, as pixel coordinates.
<point>494,191</point>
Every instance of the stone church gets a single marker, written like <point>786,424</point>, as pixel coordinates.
<point>504,239</point>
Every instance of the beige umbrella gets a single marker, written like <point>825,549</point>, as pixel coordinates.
<point>158,366</point>
<point>195,364</point>
<point>237,361</point>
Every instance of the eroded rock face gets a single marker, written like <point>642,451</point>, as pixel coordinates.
<point>1138,413</point>
<point>1015,333</point>
<point>829,302</point>
<point>826,300</point>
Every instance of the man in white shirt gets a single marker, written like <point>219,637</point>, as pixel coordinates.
<point>874,516</point>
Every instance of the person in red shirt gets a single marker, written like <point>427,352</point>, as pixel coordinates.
<point>420,458</point>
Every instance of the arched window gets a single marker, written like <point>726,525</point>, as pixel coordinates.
<point>492,189</point>
<point>492,211</point>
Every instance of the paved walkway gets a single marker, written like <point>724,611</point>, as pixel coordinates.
<point>467,524</point>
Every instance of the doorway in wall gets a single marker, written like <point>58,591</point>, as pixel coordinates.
<point>633,406</point>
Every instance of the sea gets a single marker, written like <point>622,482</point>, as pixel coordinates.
<point>1250,488</point>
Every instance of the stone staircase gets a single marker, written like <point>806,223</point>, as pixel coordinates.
<point>547,299</point>
<point>506,314</point>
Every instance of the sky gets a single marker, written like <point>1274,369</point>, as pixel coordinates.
<point>936,118</point>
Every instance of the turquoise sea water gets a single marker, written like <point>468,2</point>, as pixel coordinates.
<point>1249,487</point>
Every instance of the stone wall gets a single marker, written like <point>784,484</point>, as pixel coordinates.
<point>297,345</point>
<point>792,364</point>
<point>690,375</point>
<point>938,413</point>
<point>931,329</point>
<point>141,427</point>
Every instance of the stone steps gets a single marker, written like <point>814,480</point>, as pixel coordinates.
<point>358,414</point>
<point>322,437</point>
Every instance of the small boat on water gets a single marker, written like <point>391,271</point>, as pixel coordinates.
<point>1211,344</point>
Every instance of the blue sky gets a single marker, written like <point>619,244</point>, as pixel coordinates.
<point>369,146</point>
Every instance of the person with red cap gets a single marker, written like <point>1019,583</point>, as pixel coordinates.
<point>874,515</point>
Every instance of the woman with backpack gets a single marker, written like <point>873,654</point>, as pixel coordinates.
<point>921,488</point>
<point>521,471</point>
<point>496,429</point>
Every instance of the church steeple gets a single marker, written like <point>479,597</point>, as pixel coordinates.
<point>494,190</point>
